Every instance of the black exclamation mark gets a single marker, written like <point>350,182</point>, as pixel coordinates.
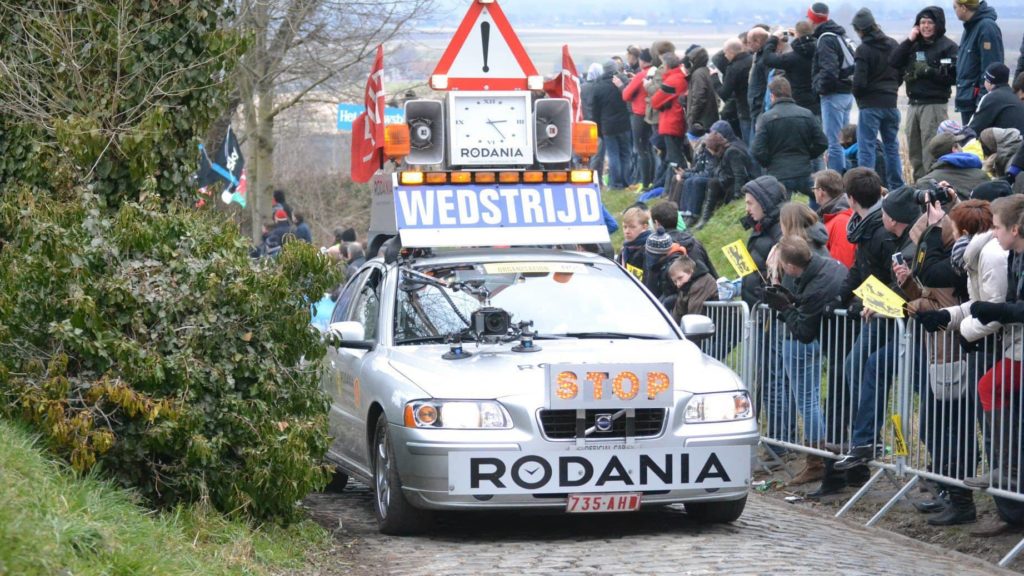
<point>485,34</point>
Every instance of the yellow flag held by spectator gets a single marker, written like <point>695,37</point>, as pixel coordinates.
<point>878,298</point>
<point>737,255</point>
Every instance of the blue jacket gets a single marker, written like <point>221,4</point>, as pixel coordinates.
<point>981,45</point>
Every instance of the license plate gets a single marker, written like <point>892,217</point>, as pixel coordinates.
<point>620,502</point>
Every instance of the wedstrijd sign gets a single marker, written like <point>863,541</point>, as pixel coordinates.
<point>587,472</point>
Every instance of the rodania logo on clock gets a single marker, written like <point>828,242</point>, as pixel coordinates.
<point>491,152</point>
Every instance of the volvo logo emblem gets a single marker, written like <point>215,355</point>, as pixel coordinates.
<point>603,422</point>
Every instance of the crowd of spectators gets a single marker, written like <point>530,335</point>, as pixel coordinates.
<point>768,115</point>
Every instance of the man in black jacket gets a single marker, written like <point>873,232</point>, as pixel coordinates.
<point>701,98</point>
<point>757,37</point>
<point>796,63</point>
<point>816,280</point>
<point>787,138</point>
<point>927,59</point>
<point>734,84</point>
<point>1000,108</point>
<point>612,116</point>
<point>832,80</point>
<point>875,85</point>
<point>733,169</point>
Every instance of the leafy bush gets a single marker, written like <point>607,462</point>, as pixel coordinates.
<point>146,342</point>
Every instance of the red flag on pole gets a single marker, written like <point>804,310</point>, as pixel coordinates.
<point>368,127</point>
<point>566,84</point>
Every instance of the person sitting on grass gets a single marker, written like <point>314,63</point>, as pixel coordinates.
<point>666,215</point>
<point>694,286</point>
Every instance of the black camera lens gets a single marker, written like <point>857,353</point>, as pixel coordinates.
<point>491,322</point>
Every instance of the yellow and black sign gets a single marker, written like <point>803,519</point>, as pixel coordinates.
<point>878,298</point>
<point>737,255</point>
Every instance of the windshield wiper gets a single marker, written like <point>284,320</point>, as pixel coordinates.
<point>610,335</point>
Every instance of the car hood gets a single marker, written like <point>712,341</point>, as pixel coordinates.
<point>498,372</point>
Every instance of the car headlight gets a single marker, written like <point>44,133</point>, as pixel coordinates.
<point>720,407</point>
<point>457,414</point>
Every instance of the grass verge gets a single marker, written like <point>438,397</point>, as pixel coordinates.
<point>53,521</point>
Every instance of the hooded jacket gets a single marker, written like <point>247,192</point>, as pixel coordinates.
<point>797,64</point>
<point>819,284</point>
<point>735,84</point>
<point>961,169</point>
<point>765,233</point>
<point>985,265</point>
<point>1000,108</point>
<point>610,111</point>
<point>691,297</point>
<point>835,214</point>
<point>826,70</point>
<point>980,45</point>
<point>671,117</point>
<point>787,138</point>
<point>928,80</point>
<point>875,82</point>
<point>735,169</point>
<point>701,98</point>
<point>1008,143</point>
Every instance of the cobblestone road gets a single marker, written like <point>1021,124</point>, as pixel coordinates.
<point>772,537</point>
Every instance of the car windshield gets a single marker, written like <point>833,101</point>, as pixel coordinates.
<point>563,299</point>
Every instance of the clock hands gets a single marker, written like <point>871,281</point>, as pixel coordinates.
<point>494,123</point>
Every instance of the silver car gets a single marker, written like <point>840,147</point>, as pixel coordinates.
<point>528,378</point>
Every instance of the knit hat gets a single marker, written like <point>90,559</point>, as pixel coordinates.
<point>991,190</point>
<point>724,128</point>
<point>901,206</point>
<point>997,73</point>
<point>645,55</point>
<point>280,215</point>
<point>818,13</point>
<point>969,3</point>
<point>659,242</point>
<point>863,20</point>
<point>940,145</point>
<point>949,127</point>
<point>610,66</point>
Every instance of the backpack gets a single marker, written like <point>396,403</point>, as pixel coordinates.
<point>847,48</point>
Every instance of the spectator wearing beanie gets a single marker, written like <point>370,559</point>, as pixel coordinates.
<point>659,252</point>
<point>831,79</point>
<point>636,96</point>
<point>1000,107</point>
<point>875,85</point>
<point>926,56</point>
<point>981,45</point>
<point>962,170</point>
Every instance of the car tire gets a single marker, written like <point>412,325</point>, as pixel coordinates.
<point>338,482</point>
<point>395,515</point>
<point>716,512</point>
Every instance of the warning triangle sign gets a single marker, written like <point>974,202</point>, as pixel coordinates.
<point>484,54</point>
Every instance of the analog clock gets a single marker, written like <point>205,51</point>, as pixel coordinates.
<point>490,128</point>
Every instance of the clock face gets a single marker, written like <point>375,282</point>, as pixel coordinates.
<point>490,128</point>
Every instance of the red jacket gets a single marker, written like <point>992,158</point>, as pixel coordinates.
<point>838,246</point>
<point>672,120</point>
<point>635,94</point>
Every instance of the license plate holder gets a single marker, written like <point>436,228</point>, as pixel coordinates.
<point>605,502</point>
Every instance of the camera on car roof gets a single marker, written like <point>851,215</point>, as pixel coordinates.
<point>490,321</point>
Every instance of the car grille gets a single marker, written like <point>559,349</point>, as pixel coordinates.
<point>561,424</point>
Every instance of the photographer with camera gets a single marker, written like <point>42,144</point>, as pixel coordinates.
<point>961,170</point>
<point>796,63</point>
<point>928,60</point>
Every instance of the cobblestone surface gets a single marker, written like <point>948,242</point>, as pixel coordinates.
<point>772,537</point>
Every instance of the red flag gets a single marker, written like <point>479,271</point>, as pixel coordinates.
<point>368,127</point>
<point>566,84</point>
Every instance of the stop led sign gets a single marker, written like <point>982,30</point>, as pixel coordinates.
<point>580,386</point>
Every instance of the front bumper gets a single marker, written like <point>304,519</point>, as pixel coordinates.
<point>422,457</point>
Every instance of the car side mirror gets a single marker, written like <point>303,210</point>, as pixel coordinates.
<point>697,327</point>
<point>349,335</point>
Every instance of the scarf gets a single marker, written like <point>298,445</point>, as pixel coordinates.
<point>956,257</point>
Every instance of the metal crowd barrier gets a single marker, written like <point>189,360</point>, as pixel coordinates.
<point>911,394</point>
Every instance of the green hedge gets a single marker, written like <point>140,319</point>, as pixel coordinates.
<point>147,343</point>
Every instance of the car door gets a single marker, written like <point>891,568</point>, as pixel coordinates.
<point>333,377</point>
<point>365,309</point>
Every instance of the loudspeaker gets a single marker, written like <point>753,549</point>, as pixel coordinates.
<point>552,121</point>
<point>426,131</point>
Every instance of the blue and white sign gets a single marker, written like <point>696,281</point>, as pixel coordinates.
<point>348,111</point>
<point>515,214</point>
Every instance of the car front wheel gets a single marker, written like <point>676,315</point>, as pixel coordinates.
<point>716,512</point>
<point>395,515</point>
